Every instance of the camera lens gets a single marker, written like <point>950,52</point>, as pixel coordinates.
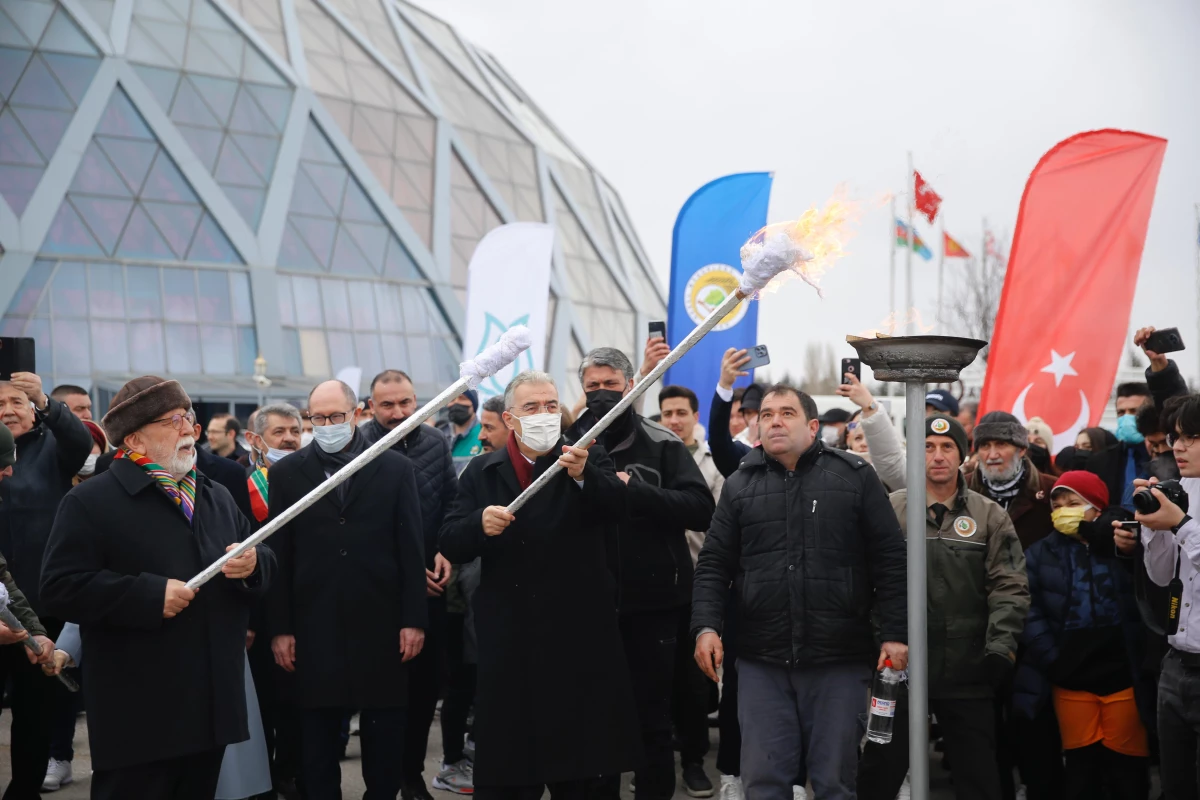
<point>1145,502</point>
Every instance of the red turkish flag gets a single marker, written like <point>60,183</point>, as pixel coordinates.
<point>1064,313</point>
<point>925,198</point>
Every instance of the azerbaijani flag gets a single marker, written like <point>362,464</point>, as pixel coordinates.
<point>257,484</point>
<point>952,249</point>
<point>918,245</point>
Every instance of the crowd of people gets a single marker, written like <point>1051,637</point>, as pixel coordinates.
<point>753,567</point>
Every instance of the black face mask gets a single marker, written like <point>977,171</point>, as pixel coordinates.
<point>602,401</point>
<point>1040,457</point>
<point>459,414</point>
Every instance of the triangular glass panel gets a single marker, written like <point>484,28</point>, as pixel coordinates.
<point>12,65</point>
<point>29,18</point>
<point>205,142</point>
<point>131,158</point>
<point>307,199</point>
<point>161,82</point>
<point>166,182</point>
<point>168,42</point>
<point>260,151</point>
<point>177,222</point>
<point>211,244</point>
<point>69,236</point>
<point>218,94</point>
<point>275,102</point>
<point>142,49</point>
<point>330,182</point>
<point>214,53</point>
<point>160,10</point>
<point>372,240</point>
<point>233,168</point>
<point>96,175</point>
<point>142,239</point>
<point>356,206</point>
<point>248,202</point>
<point>249,118</point>
<point>63,35</point>
<point>120,118</point>
<point>39,87</point>
<point>319,235</point>
<point>104,216</point>
<point>15,145</point>
<point>190,108</point>
<point>45,128</point>
<point>400,264</point>
<point>19,183</point>
<point>294,253</point>
<point>74,72</point>
<point>348,259</point>
<point>101,11</point>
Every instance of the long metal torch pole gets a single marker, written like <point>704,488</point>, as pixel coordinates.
<point>918,650</point>
<point>341,476</point>
<point>639,389</point>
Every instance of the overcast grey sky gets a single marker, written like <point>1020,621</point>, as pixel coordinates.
<point>665,95</point>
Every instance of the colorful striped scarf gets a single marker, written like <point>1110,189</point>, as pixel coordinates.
<point>182,492</point>
<point>257,484</point>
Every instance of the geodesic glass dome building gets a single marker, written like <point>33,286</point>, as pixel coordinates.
<point>188,184</point>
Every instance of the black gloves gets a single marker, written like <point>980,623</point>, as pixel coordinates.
<point>997,669</point>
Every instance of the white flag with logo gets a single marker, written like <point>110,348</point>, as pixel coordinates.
<point>508,283</point>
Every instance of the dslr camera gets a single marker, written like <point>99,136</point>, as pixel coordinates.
<point>1146,503</point>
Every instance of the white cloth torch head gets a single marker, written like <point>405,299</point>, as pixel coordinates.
<point>3,596</point>
<point>763,260</point>
<point>512,343</point>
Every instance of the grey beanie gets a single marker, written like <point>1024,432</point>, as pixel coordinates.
<point>1000,426</point>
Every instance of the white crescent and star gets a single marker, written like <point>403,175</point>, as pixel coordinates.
<point>1060,367</point>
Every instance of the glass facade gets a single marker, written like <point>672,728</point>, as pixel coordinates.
<point>303,180</point>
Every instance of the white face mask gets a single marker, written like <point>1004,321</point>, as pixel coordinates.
<point>829,435</point>
<point>334,438</point>
<point>540,432</point>
<point>305,439</point>
<point>274,455</point>
<point>89,466</point>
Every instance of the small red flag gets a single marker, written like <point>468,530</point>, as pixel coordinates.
<point>1077,248</point>
<point>952,249</point>
<point>926,199</point>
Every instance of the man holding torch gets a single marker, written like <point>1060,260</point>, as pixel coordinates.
<point>545,608</point>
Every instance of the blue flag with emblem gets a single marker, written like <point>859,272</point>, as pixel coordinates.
<point>711,228</point>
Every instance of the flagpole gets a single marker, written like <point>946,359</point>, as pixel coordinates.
<point>941,270</point>
<point>1198,266</point>
<point>892,260</point>
<point>908,254</point>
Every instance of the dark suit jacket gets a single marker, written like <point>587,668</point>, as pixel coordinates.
<point>221,470</point>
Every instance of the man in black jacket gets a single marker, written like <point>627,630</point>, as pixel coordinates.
<point>52,444</point>
<point>808,539</point>
<point>393,400</point>
<point>123,545</point>
<point>666,497</point>
<point>348,611</point>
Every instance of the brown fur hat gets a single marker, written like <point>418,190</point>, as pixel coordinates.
<point>142,400</point>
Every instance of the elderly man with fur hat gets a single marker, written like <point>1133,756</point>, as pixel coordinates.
<point>1004,473</point>
<point>165,665</point>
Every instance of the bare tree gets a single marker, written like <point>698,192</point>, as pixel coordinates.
<point>976,299</point>
<point>820,369</point>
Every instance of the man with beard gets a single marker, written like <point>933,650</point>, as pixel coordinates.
<point>123,545</point>
<point>349,610</point>
<point>393,400</point>
<point>492,432</point>
<point>554,704</point>
<point>1005,474</point>
<point>666,496</point>
<point>53,445</point>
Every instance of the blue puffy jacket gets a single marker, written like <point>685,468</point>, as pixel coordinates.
<point>1072,588</point>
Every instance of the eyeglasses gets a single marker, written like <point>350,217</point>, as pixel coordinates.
<point>1181,438</point>
<point>331,419</point>
<point>179,422</point>
<point>549,407</point>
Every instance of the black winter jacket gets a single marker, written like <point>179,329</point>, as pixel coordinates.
<point>666,497</point>
<point>437,482</point>
<point>811,554</point>
<point>48,457</point>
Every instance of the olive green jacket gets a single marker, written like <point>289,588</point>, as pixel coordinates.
<point>977,589</point>
<point>17,603</point>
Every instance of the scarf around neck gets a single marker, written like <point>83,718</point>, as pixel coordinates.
<point>183,492</point>
<point>258,486</point>
<point>1004,492</point>
<point>520,464</point>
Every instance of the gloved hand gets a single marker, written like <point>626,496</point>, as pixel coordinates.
<point>997,669</point>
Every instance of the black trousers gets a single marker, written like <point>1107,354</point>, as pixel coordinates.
<point>1179,729</point>
<point>460,691</point>
<point>1039,755</point>
<point>32,721</point>
<point>729,747</point>
<point>650,640</point>
<point>424,690</point>
<point>566,790</point>
<point>191,777</point>
<point>1095,771</point>
<point>381,731</point>
<point>969,732</point>
<point>689,704</point>
<point>280,716</point>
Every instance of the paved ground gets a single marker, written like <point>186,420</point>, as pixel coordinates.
<point>351,768</point>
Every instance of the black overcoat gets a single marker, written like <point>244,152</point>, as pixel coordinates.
<point>157,688</point>
<point>553,699</point>
<point>351,575</point>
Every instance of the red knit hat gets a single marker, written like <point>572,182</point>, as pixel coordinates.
<point>1087,485</point>
<point>97,435</point>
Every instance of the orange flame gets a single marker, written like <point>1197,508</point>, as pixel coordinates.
<point>889,324</point>
<point>823,232</point>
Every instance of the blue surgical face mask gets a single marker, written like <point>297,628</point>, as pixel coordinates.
<point>334,438</point>
<point>1127,430</point>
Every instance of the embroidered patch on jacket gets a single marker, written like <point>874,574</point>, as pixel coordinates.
<point>965,527</point>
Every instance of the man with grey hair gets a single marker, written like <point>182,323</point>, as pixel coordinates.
<point>349,609</point>
<point>666,495</point>
<point>546,608</point>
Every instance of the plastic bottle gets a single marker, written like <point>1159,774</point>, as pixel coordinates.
<point>883,704</point>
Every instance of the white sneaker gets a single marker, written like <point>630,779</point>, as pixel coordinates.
<point>355,725</point>
<point>731,788</point>
<point>799,793</point>
<point>458,778</point>
<point>58,775</point>
<point>905,790</point>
